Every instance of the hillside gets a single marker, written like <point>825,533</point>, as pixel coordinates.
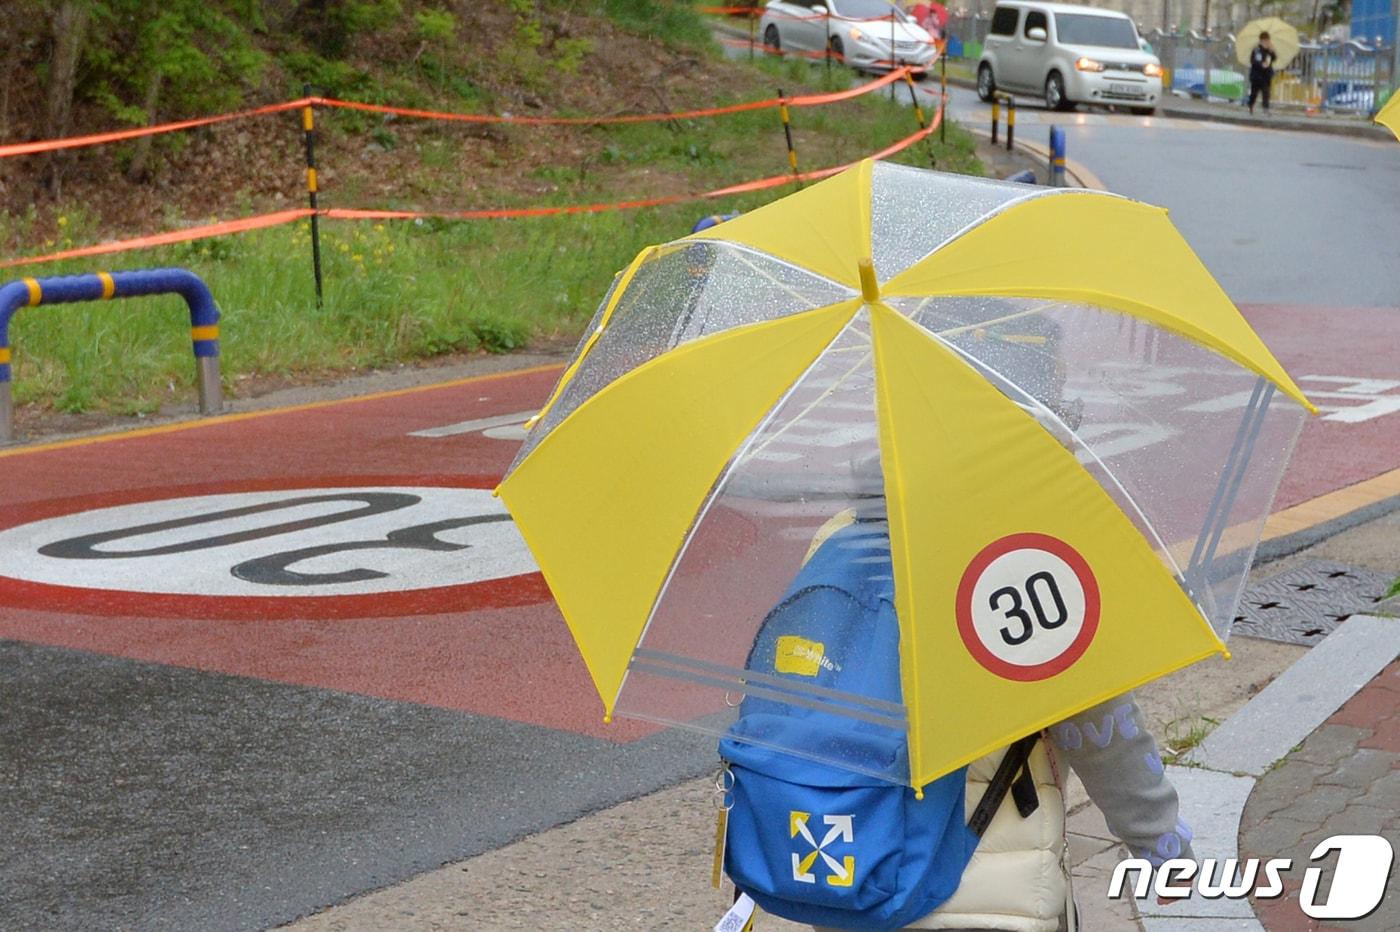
<point>395,290</point>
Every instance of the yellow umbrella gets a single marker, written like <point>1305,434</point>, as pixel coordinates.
<point>737,385</point>
<point>1389,116</point>
<point>1283,36</point>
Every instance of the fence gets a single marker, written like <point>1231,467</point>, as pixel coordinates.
<point>1342,76</point>
<point>965,33</point>
<point>278,218</point>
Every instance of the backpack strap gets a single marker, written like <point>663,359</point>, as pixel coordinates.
<point>1014,776</point>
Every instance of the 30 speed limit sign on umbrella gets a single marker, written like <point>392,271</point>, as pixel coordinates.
<point>1067,433</point>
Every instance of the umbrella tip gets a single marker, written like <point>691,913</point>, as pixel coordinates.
<point>869,286</point>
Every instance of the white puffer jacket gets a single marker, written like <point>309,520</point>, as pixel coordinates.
<point>1016,880</point>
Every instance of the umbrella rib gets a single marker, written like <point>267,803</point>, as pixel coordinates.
<point>816,401</point>
<point>1077,440</point>
<point>742,249</point>
<point>1000,208</point>
<point>968,328</point>
<point>977,364</point>
<point>714,491</point>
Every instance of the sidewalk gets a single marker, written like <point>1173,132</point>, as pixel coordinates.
<point>1281,119</point>
<point>1344,779</point>
<point>646,863</point>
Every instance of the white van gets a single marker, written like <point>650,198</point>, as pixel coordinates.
<point>1069,55</point>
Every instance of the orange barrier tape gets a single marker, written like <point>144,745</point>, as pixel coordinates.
<point>808,100</point>
<point>803,53</point>
<point>74,142</point>
<point>223,228</point>
<point>262,221</point>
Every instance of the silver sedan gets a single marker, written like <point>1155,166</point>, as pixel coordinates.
<point>869,35</point>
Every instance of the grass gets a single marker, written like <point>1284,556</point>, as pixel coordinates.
<point>400,291</point>
<point>676,24</point>
<point>1184,733</point>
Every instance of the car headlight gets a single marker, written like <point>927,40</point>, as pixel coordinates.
<point>1152,70</point>
<point>1088,64</point>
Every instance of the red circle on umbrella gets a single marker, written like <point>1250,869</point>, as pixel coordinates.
<point>1066,657</point>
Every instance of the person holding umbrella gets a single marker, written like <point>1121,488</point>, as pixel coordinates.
<point>1261,70</point>
<point>1013,581</point>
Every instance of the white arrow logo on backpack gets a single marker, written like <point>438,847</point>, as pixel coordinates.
<point>839,827</point>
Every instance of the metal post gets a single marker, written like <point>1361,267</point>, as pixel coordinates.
<point>7,426</point>
<point>787,132</point>
<point>1010,121</point>
<point>894,59</point>
<point>211,389</point>
<point>1057,157</point>
<point>1394,46</point>
<point>1205,79</point>
<point>943,91</point>
<point>308,125</point>
<point>828,37</point>
<point>919,116</point>
<point>753,27</point>
<point>996,117</point>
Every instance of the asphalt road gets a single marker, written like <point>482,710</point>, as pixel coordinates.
<point>1278,217</point>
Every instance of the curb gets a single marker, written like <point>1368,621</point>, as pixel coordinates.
<point>1289,123</point>
<point>1076,172</point>
<point>1288,544</point>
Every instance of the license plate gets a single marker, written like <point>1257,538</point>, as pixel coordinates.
<point>1127,90</point>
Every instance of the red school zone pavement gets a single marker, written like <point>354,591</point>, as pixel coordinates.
<point>495,646</point>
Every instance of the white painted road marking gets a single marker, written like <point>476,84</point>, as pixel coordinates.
<point>290,542</point>
<point>484,425</point>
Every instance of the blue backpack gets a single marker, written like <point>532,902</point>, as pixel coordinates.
<point>821,844</point>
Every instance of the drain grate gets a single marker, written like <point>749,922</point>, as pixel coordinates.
<point>1305,604</point>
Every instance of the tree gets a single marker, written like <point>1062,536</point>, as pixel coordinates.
<point>69,30</point>
<point>171,58</point>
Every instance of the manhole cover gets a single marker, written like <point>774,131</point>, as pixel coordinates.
<point>1305,604</point>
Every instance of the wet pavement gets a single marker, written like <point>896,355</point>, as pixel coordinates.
<point>1278,217</point>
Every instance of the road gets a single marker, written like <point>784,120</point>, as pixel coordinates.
<point>259,664</point>
<point>1280,218</point>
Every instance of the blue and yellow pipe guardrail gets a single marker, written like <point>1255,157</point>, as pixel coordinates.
<point>1057,157</point>
<point>101,286</point>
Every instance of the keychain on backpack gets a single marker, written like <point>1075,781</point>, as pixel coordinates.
<point>724,783</point>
